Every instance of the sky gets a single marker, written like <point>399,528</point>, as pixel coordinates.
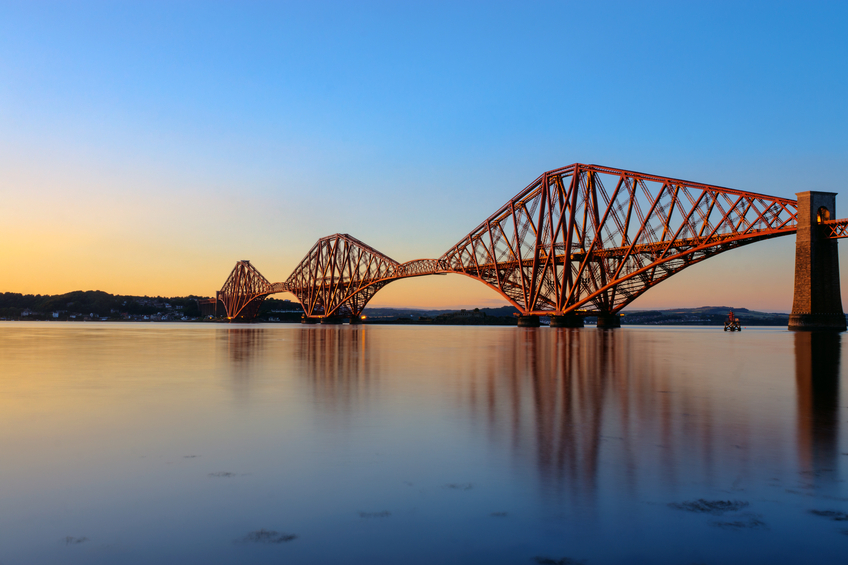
<point>145,147</point>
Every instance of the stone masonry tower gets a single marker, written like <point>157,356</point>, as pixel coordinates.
<point>818,303</point>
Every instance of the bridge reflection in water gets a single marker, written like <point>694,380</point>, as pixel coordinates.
<point>817,363</point>
<point>580,410</point>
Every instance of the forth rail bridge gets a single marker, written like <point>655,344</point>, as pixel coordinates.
<point>582,240</point>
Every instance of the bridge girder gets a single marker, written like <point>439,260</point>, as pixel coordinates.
<point>583,238</point>
<point>567,242</point>
<point>244,291</point>
<point>339,275</point>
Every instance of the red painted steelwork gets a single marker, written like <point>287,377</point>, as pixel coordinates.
<point>593,238</point>
<point>835,229</point>
<point>244,291</point>
<point>581,239</point>
<point>339,276</point>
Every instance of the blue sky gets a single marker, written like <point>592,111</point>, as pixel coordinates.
<point>144,147</point>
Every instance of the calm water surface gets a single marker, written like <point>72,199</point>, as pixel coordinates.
<point>206,443</point>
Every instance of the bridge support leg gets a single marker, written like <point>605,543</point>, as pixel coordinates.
<point>817,304</point>
<point>332,320</point>
<point>307,320</point>
<point>608,321</point>
<point>355,320</point>
<point>528,321</point>
<point>567,321</point>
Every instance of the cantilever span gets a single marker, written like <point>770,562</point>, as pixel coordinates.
<point>580,240</point>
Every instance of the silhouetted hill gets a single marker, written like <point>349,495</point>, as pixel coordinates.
<point>414,313</point>
<point>704,316</point>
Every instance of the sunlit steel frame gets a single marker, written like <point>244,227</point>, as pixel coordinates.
<point>564,244</point>
<point>835,229</point>
<point>568,244</point>
<point>339,276</point>
<point>244,291</point>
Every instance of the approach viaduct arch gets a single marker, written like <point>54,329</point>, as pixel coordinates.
<point>580,240</point>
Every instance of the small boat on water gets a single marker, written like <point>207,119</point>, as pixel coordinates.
<point>731,324</point>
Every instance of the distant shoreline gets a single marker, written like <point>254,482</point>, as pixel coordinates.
<point>84,306</point>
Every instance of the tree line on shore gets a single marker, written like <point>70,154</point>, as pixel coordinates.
<point>15,306</point>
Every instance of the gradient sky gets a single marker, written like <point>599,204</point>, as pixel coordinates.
<point>145,147</point>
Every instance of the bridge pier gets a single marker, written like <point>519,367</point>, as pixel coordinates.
<point>530,321</point>
<point>332,320</point>
<point>307,320</point>
<point>817,302</point>
<point>567,321</point>
<point>608,321</point>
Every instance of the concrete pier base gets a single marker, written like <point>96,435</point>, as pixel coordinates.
<point>332,320</point>
<point>817,302</point>
<point>567,321</point>
<point>608,321</point>
<point>817,322</point>
<point>528,321</point>
<point>354,320</point>
<point>308,320</point>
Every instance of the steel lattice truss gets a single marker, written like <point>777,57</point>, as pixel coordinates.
<point>835,229</point>
<point>339,275</point>
<point>244,291</point>
<point>593,239</point>
<point>581,239</point>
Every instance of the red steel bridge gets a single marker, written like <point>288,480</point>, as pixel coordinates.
<point>580,240</point>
